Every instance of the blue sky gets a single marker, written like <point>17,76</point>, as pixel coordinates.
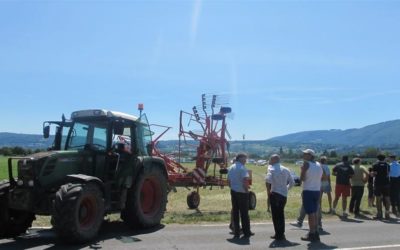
<point>284,66</point>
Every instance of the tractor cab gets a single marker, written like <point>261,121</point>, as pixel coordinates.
<point>103,143</point>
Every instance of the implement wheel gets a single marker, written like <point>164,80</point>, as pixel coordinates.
<point>78,212</point>
<point>193,200</point>
<point>252,200</point>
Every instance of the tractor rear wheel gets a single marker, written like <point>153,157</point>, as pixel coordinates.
<point>78,212</point>
<point>12,222</point>
<point>193,200</point>
<point>252,200</point>
<point>147,199</point>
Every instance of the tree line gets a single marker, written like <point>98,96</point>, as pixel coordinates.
<point>14,151</point>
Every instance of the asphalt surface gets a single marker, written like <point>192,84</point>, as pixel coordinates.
<point>339,233</point>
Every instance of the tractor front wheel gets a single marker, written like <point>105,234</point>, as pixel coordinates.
<point>147,199</point>
<point>12,222</point>
<point>78,212</point>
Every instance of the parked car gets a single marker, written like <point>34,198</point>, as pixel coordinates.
<point>261,162</point>
<point>295,177</point>
<point>299,163</point>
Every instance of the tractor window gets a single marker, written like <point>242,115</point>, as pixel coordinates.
<point>122,143</point>
<point>88,135</point>
<point>64,136</point>
<point>144,136</point>
<point>100,137</point>
<point>78,136</point>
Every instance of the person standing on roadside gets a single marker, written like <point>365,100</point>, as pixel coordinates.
<point>238,180</point>
<point>326,182</point>
<point>370,186</point>
<point>343,172</point>
<point>357,186</point>
<point>380,172</point>
<point>394,185</point>
<point>311,173</point>
<point>278,182</point>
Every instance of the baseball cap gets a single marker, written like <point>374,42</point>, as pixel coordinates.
<point>309,151</point>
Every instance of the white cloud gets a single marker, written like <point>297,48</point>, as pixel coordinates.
<point>195,21</point>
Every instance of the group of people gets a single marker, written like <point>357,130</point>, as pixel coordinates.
<point>383,180</point>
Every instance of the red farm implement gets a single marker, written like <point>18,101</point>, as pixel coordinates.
<point>203,133</point>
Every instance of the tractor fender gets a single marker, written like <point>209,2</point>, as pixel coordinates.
<point>148,162</point>
<point>81,178</point>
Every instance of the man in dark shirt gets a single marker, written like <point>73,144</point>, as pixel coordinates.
<point>343,172</point>
<point>380,171</point>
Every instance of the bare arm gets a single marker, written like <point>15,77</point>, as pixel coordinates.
<point>268,186</point>
<point>291,181</point>
<point>334,172</point>
<point>304,169</point>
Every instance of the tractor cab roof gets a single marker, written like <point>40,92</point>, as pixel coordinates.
<point>101,113</point>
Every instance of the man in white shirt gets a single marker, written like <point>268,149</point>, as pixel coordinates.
<point>278,182</point>
<point>311,173</point>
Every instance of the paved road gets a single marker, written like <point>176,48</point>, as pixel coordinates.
<point>350,234</point>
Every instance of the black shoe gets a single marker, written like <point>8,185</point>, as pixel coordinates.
<point>316,237</point>
<point>313,237</point>
<point>306,238</point>
<point>236,236</point>
<point>248,235</point>
<point>281,238</point>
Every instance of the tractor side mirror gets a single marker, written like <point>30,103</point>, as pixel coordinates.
<point>46,131</point>
<point>119,128</point>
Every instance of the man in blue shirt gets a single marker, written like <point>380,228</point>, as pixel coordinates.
<point>394,175</point>
<point>238,180</point>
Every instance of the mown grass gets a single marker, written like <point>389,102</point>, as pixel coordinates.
<point>215,204</point>
<point>3,167</point>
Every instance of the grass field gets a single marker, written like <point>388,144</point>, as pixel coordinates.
<point>215,204</point>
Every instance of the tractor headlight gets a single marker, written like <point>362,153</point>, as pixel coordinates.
<point>31,183</point>
<point>20,182</point>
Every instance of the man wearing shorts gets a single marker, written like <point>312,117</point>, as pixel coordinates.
<point>380,171</point>
<point>311,173</point>
<point>343,172</point>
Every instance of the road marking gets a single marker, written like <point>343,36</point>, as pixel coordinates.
<point>370,247</point>
<point>227,223</point>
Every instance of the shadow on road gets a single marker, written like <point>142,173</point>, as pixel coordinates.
<point>390,221</point>
<point>319,245</point>
<point>47,239</point>
<point>239,241</point>
<point>347,219</point>
<point>282,244</point>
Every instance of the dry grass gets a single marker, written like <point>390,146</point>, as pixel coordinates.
<point>215,204</point>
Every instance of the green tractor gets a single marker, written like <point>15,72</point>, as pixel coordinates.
<point>100,163</point>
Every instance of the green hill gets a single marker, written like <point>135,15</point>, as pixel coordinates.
<point>381,134</point>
